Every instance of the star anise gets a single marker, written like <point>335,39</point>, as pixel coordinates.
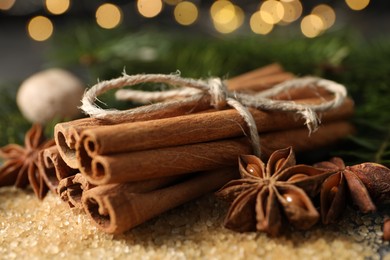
<point>376,178</point>
<point>267,195</point>
<point>348,180</point>
<point>20,165</point>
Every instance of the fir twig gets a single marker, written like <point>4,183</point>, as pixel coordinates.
<point>341,56</point>
<point>382,151</point>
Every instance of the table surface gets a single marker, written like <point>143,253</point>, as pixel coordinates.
<point>35,229</point>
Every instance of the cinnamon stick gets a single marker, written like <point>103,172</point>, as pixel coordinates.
<point>304,93</point>
<point>48,173</point>
<point>259,84</point>
<point>67,134</point>
<point>117,208</point>
<point>52,168</point>
<point>189,129</point>
<point>148,164</point>
<point>251,78</point>
<point>71,188</point>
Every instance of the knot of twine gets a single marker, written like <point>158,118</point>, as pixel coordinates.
<point>188,90</point>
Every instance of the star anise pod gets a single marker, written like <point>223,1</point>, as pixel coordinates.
<point>352,180</point>
<point>266,195</point>
<point>20,165</point>
<point>376,178</point>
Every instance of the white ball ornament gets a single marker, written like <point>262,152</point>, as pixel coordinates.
<point>52,93</point>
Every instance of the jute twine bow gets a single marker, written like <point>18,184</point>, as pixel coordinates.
<point>191,89</point>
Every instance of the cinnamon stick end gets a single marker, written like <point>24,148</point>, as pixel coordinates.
<point>99,214</point>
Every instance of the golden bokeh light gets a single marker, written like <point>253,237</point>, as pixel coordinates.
<point>226,26</point>
<point>149,8</point>
<point>186,13</point>
<point>57,6</point>
<point>108,16</point>
<point>357,5</point>
<point>326,13</point>
<point>272,11</point>
<point>6,4</point>
<point>258,25</point>
<point>40,28</point>
<point>292,10</point>
<point>312,25</point>
<point>222,12</point>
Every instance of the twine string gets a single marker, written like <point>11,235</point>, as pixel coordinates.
<point>189,90</point>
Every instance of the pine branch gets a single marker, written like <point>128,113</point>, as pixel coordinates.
<point>382,151</point>
<point>362,66</point>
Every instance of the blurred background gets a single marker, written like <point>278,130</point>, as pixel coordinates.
<point>29,28</point>
<point>347,41</point>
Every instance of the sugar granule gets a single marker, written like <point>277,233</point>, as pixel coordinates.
<point>33,229</point>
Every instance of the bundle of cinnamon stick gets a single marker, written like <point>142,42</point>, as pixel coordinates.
<point>124,173</point>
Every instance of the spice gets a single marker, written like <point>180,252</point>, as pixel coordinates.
<point>49,94</point>
<point>195,128</point>
<point>108,158</point>
<point>175,160</point>
<point>115,208</point>
<point>52,168</point>
<point>266,194</point>
<point>21,163</point>
<point>386,230</point>
<point>67,134</point>
<point>261,78</point>
<point>335,187</point>
<point>71,189</point>
<point>376,178</point>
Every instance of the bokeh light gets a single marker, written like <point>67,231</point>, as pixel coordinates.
<point>222,12</point>
<point>186,13</point>
<point>312,25</point>
<point>258,25</point>
<point>57,6</point>
<point>6,4</point>
<point>149,8</point>
<point>357,5</point>
<point>40,28</point>
<point>108,16</point>
<point>272,11</point>
<point>292,10</point>
<point>226,17</point>
<point>326,13</point>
